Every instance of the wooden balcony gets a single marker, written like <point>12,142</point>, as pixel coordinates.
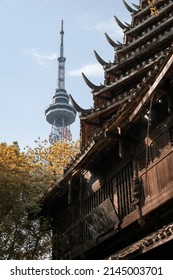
<point>113,206</point>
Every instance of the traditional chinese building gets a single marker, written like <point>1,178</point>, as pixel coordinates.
<point>115,199</point>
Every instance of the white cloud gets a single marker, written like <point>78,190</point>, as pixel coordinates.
<point>42,58</point>
<point>91,69</point>
<point>106,26</point>
<point>89,23</point>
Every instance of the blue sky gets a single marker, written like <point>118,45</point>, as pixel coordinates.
<point>30,38</point>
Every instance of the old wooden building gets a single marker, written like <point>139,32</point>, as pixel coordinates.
<point>115,200</point>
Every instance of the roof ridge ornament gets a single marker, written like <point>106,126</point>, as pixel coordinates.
<point>91,85</point>
<point>129,25</point>
<point>136,6</point>
<point>122,25</point>
<point>77,107</point>
<point>100,60</point>
<point>121,44</point>
<point>130,9</point>
<point>111,42</point>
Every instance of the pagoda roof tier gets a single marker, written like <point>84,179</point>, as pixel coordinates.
<point>101,116</point>
<point>131,76</point>
<point>144,47</point>
<point>123,91</point>
<point>151,36</point>
<point>109,109</point>
<point>143,53</point>
<point>143,16</point>
<point>151,26</point>
<point>134,108</point>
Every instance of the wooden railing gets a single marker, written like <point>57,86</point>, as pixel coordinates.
<point>156,174</point>
<point>118,189</point>
<point>155,169</point>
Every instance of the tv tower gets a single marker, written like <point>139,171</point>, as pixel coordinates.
<point>60,114</point>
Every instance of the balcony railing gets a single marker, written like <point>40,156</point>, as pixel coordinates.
<point>114,200</point>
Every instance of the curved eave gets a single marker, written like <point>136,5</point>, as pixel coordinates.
<point>121,44</point>
<point>136,6</point>
<point>141,12</point>
<point>78,108</point>
<point>130,9</point>
<point>128,24</point>
<point>111,42</point>
<point>91,85</point>
<point>121,25</point>
<point>101,61</point>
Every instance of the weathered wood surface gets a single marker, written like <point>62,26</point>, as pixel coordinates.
<point>153,87</point>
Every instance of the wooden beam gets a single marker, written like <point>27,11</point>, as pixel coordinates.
<point>107,98</point>
<point>105,109</point>
<point>112,135</point>
<point>153,87</point>
<point>99,125</point>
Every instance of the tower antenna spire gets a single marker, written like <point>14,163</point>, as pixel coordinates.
<point>60,114</point>
<point>61,61</point>
<point>62,39</point>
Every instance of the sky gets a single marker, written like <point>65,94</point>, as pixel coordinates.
<point>29,48</point>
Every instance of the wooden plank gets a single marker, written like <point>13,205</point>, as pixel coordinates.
<point>170,161</point>
<point>158,201</point>
<point>152,88</point>
<point>163,174</point>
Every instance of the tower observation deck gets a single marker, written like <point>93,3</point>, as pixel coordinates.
<point>60,114</point>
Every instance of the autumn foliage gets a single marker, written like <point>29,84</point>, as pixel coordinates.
<point>26,177</point>
<point>54,158</point>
